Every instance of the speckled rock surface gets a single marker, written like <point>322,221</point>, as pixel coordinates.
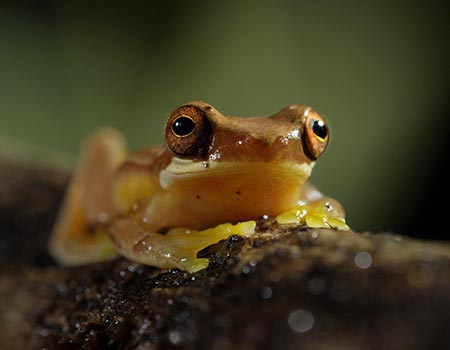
<point>285,288</point>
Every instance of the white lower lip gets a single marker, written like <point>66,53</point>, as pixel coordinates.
<point>180,169</point>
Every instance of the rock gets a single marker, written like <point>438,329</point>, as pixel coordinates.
<point>287,287</point>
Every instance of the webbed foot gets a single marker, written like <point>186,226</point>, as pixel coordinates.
<point>322,213</point>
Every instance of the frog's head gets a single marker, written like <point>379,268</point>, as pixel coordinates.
<point>251,166</point>
<point>199,135</point>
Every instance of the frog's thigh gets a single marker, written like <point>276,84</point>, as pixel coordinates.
<point>78,236</point>
<point>176,249</point>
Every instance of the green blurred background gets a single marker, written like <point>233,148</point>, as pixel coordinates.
<point>377,71</point>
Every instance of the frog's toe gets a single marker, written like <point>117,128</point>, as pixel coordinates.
<point>322,220</point>
<point>316,220</point>
<point>338,223</point>
<point>194,265</point>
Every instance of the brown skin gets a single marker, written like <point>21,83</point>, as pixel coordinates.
<point>249,139</point>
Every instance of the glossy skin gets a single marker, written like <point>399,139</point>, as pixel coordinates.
<point>213,169</point>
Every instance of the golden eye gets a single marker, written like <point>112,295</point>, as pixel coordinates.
<point>183,126</point>
<point>315,136</point>
<point>188,132</point>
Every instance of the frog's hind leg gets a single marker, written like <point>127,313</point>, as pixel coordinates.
<point>79,235</point>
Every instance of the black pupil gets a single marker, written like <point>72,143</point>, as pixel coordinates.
<point>319,128</point>
<point>183,126</point>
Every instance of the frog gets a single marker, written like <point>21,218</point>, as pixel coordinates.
<point>213,177</point>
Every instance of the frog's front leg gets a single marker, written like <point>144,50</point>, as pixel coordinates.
<point>177,248</point>
<point>80,233</point>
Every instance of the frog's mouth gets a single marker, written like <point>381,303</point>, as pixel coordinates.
<point>201,196</point>
<point>184,170</point>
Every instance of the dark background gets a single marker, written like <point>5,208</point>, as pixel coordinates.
<point>377,71</point>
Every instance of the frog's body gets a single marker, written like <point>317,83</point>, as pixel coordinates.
<point>213,169</point>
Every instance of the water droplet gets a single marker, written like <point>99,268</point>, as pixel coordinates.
<point>175,337</point>
<point>245,269</point>
<point>266,293</point>
<point>363,260</point>
<point>253,263</point>
<point>132,268</point>
<point>301,321</point>
<point>275,276</point>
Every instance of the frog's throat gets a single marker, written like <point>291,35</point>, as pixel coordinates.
<point>183,169</point>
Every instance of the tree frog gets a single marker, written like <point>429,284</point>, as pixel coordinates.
<point>214,176</point>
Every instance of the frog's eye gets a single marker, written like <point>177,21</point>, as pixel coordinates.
<point>315,136</point>
<point>188,131</point>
